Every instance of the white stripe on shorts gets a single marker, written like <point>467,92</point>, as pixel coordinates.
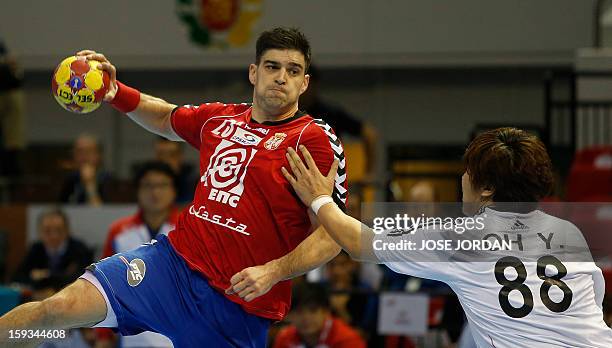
<point>111,318</point>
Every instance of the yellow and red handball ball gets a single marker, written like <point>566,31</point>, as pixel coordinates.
<point>78,85</point>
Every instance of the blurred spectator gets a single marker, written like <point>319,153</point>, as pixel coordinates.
<point>423,195</point>
<point>171,152</point>
<point>12,123</point>
<point>343,123</point>
<point>350,299</point>
<point>87,183</point>
<point>56,260</point>
<point>156,195</point>
<point>423,192</point>
<point>156,185</point>
<point>312,324</point>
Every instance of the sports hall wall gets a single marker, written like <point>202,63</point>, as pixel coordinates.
<point>418,71</point>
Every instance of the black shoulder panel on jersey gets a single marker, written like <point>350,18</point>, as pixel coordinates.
<point>340,192</point>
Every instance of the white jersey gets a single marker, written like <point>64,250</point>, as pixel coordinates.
<point>531,296</point>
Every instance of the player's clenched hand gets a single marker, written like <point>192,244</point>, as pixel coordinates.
<point>253,282</point>
<point>105,64</point>
<point>307,180</point>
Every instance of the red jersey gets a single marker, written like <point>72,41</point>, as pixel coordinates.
<point>244,211</point>
<point>335,334</point>
<point>131,232</point>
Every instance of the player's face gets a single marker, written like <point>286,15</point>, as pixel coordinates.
<point>279,80</point>
<point>86,152</point>
<point>156,193</point>
<point>53,231</point>
<point>309,321</point>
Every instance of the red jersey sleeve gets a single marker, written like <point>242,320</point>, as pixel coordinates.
<point>187,120</point>
<point>323,144</point>
<point>109,247</point>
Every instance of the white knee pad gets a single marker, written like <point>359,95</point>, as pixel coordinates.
<point>111,318</point>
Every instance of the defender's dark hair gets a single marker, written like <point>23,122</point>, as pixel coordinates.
<point>309,295</point>
<point>155,166</point>
<point>512,163</point>
<point>283,38</point>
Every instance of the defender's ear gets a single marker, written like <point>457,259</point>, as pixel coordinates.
<point>487,193</point>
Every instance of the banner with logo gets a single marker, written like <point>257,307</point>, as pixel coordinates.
<point>175,34</point>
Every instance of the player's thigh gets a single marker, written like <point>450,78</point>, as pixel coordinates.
<point>77,305</point>
<point>145,287</point>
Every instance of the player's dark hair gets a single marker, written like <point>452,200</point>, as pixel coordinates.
<point>283,38</point>
<point>158,167</point>
<point>512,163</point>
<point>309,295</point>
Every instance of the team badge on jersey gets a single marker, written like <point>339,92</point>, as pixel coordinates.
<point>275,141</point>
<point>136,270</point>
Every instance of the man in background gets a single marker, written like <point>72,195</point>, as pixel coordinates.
<point>312,324</point>
<point>54,261</point>
<point>172,153</point>
<point>344,124</point>
<point>156,185</point>
<point>86,183</point>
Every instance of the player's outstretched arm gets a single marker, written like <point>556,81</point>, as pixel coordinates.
<point>312,186</point>
<point>150,112</point>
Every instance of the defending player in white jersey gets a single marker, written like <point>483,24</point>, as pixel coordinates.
<point>545,292</point>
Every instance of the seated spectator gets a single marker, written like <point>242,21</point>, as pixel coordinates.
<point>345,125</point>
<point>171,152</point>
<point>156,196</point>
<point>86,183</point>
<point>350,299</point>
<point>156,185</point>
<point>57,259</point>
<point>312,324</point>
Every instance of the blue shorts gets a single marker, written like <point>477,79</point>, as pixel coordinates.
<point>161,293</point>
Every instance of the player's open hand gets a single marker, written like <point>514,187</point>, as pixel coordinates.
<point>307,180</point>
<point>106,65</point>
<point>253,282</point>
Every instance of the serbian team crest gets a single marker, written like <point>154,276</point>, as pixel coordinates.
<point>219,23</point>
<point>275,141</point>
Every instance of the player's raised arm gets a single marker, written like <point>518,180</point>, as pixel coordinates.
<point>315,190</point>
<point>150,112</point>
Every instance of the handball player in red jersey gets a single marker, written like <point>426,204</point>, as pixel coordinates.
<point>219,278</point>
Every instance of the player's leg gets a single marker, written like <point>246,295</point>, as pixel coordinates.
<point>79,304</point>
<point>213,320</point>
